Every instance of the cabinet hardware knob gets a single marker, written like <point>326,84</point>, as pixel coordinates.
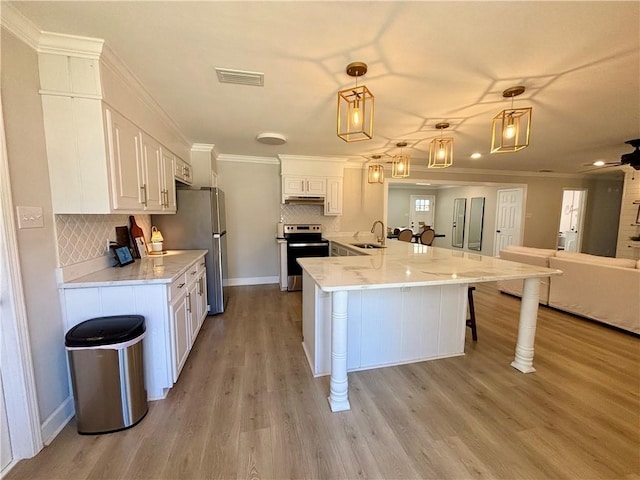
<point>181,285</point>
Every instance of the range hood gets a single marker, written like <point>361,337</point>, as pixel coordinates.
<point>298,200</point>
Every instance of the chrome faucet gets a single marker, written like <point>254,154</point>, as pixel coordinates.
<point>383,237</point>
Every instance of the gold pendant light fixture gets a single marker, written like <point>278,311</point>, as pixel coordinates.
<point>355,108</point>
<point>400,163</point>
<point>441,149</point>
<point>376,170</point>
<point>511,127</point>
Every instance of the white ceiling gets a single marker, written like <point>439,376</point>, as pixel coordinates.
<point>428,62</point>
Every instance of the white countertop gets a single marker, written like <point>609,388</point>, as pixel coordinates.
<point>152,269</point>
<point>403,264</point>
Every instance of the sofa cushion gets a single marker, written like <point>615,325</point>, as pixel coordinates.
<point>541,252</point>
<point>595,259</point>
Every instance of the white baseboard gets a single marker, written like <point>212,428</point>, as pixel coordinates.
<point>233,282</point>
<point>53,425</point>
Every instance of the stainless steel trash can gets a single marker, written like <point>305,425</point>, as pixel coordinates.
<point>107,373</point>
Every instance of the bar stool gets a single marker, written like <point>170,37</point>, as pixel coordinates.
<point>471,321</point>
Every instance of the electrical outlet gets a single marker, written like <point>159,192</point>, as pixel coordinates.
<point>30,217</point>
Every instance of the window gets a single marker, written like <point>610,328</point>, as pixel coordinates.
<point>423,205</point>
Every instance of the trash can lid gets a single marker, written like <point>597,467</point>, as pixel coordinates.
<point>105,331</point>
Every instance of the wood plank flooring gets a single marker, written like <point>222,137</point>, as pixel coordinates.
<point>246,406</point>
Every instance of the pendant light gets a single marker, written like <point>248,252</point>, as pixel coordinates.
<point>400,163</point>
<point>376,170</point>
<point>441,149</point>
<point>511,127</point>
<point>355,108</point>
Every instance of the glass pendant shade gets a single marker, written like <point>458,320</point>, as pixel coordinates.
<point>511,127</point>
<point>376,174</point>
<point>355,108</point>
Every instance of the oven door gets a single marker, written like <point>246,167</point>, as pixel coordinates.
<point>301,249</point>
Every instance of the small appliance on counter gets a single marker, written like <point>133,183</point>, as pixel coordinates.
<point>303,240</point>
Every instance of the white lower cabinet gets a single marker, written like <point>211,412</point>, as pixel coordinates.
<point>173,312</point>
<point>385,327</point>
<point>187,313</point>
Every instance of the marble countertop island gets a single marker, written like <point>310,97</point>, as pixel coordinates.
<point>150,270</point>
<point>402,264</point>
<point>381,297</point>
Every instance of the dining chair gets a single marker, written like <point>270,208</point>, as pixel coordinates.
<point>405,235</point>
<point>426,237</point>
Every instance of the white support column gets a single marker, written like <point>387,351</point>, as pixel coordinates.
<point>339,395</point>
<point>527,326</point>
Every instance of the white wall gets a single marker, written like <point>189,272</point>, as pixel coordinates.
<point>399,204</point>
<point>444,215</point>
<point>252,194</point>
<point>29,177</point>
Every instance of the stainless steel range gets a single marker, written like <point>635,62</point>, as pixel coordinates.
<point>303,240</point>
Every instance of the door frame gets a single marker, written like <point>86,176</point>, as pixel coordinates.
<point>17,365</point>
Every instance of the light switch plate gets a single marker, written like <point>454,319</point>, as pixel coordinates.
<point>30,217</point>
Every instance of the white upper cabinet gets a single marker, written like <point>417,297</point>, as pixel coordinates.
<point>296,185</point>
<point>333,199</point>
<point>152,182</point>
<point>124,140</point>
<point>101,157</point>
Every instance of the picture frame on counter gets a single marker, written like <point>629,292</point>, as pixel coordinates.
<point>142,247</point>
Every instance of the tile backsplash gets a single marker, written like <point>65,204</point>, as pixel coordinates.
<point>309,214</point>
<point>84,237</point>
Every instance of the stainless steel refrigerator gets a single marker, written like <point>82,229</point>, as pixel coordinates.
<point>200,224</point>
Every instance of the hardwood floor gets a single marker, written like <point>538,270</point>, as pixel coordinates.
<point>246,406</point>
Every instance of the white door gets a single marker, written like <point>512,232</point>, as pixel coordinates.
<point>508,219</point>
<point>5,442</point>
<point>572,220</point>
<point>421,210</point>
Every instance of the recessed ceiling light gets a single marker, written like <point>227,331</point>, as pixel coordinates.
<point>270,138</point>
<point>598,163</point>
<point>476,155</point>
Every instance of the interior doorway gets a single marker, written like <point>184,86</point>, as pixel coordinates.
<point>572,220</point>
<point>421,212</point>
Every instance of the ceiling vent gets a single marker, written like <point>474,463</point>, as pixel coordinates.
<point>240,77</point>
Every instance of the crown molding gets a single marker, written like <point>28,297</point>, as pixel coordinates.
<point>111,60</point>
<point>63,44</point>
<point>205,147</point>
<point>305,158</point>
<point>248,159</point>
<point>19,25</point>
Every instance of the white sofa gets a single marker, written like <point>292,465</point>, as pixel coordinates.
<point>600,288</point>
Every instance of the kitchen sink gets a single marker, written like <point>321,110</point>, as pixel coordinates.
<point>368,245</point>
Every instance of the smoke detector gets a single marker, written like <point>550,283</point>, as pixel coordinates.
<point>270,138</point>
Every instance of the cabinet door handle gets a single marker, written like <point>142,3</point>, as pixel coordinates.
<point>194,272</point>
<point>200,286</point>
<point>189,302</point>
<point>202,264</point>
<point>144,194</point>
<point>181,285</point>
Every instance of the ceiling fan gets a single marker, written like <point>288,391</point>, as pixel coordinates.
<point>632,159</point>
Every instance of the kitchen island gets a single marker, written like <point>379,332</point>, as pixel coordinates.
<point>403,303</point>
